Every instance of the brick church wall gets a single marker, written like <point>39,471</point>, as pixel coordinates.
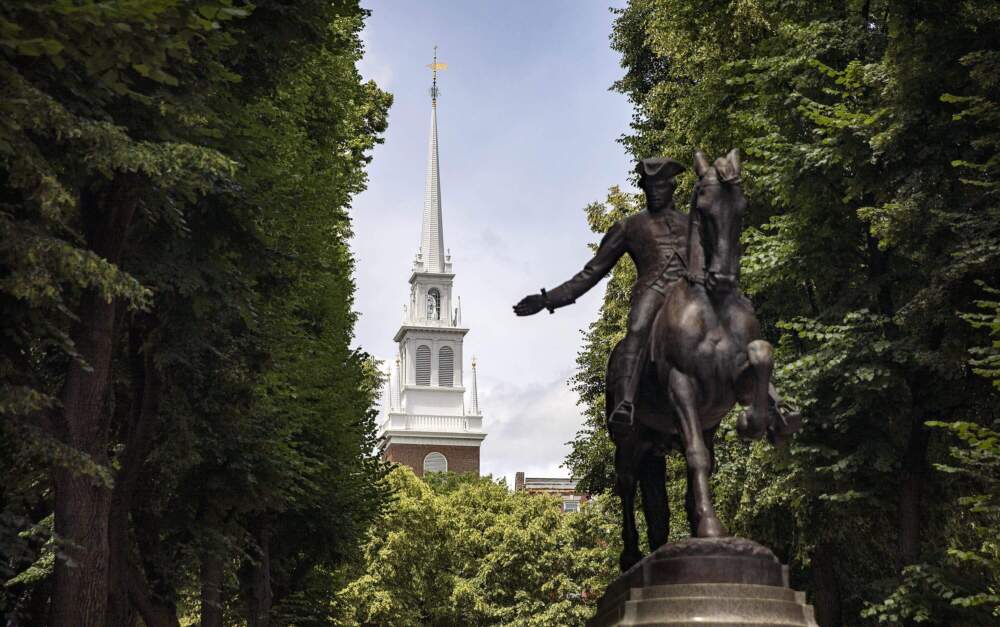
<point>460,458</point>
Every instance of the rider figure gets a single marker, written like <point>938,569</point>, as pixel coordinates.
<point>656,240</point>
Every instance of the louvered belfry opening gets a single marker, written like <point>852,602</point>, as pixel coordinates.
<point>435,462</point>
<point>446,367</point>
<point>423,365</point>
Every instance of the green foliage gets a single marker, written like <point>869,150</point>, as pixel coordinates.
<point>987,358</point>
<point>966,582</point>
<point>462,550</point>
<point>870,131</point>
<point>237,407</point>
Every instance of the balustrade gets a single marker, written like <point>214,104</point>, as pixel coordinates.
<point>418,422</point>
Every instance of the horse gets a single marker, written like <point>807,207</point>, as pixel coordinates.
<point>704,355</point>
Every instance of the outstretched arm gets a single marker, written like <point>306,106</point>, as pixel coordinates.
<point>611,249</point>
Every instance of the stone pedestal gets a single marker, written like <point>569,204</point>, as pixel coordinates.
<point>717,581</point>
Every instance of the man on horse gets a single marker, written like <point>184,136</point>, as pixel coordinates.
<point>656,240</point>
<point>700,337</point>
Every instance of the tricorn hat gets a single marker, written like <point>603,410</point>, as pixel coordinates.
<point>657,168</point>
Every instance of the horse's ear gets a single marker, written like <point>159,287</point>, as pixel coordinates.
<point>700,163</point>
<point>735,160</point>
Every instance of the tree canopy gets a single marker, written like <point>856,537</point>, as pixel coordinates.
<point>870,252</point>
<point>188,424</point>
<point>464,550</point>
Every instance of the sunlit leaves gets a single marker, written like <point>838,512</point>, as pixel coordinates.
<point>467,551</point>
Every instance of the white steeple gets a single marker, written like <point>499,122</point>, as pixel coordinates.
<point>426,405</point>
<point>431,254</point>
<point>432,233</point>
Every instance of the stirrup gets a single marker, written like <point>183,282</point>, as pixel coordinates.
<point>784,420</point>
<point>622,416</point>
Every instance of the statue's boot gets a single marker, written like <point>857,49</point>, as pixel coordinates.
<point>622,418</point>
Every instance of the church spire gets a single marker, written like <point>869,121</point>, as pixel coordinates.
<point>428,426</point>
<point>432,231</point>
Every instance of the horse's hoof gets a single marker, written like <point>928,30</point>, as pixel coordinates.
<point>748,427</point>
<point>628,560</point>
<point>711,527</point>
<point>742,424</point>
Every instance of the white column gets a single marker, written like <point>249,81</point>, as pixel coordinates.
<point>475,389</point>
<point>394,387</point>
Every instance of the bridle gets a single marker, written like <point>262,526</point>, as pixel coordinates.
<point>728,280</point>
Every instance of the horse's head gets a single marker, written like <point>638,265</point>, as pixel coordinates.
<point>719,202</point>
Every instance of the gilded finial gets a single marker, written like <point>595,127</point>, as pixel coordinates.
<point>435,66</point>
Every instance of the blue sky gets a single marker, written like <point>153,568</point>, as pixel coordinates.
<point>527,133</point>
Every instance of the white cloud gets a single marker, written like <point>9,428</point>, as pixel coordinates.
<point>529,426</point>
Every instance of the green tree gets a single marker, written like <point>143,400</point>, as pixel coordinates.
<point>462,550</point>
<point>870,129</point>
<point>178,388</point>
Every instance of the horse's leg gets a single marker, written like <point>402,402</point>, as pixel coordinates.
<point>625,486</point>
<point>709,438</point>
<point>684,397</point>
<point>689,509</point>
<point>752,423</point>
<point>652,481</point>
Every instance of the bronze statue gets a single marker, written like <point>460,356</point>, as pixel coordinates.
<point>655,240</point>
<point>693,347</point>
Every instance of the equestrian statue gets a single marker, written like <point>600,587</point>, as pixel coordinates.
<point>692,349</point>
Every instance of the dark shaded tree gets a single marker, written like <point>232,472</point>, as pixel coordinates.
<point>870,134</point>
<point>177,380</point>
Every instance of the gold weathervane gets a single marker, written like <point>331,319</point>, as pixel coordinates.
<point>435,66</point>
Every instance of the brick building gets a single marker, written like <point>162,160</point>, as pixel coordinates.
<point>427,423</point>
<point>561,487</point>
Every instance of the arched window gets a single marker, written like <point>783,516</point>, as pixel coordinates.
<point>446,367</point>
<point>433,304</point>
<point>435,462</point>
<point>423,365</point>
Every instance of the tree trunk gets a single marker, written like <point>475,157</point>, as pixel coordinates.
<point>913,480</point>
<point>256,580</point>
<point>212,571</point>
<point>824,574</point>
<point>120,610</point>
<point>82,503</point>
<point>878,270</point>
<point>154,614</point>
<point>150,590</point>
<point>146,385</point>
